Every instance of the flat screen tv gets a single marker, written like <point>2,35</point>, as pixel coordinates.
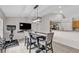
<point>25,26</point>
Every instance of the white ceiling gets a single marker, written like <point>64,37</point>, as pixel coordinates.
<point>28,11</point>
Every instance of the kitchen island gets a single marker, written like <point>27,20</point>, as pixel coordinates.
<point>68,38</point>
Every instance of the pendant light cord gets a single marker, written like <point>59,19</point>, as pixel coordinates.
<point>37,12</point>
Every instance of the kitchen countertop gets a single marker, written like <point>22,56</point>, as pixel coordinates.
<point>69,38</point>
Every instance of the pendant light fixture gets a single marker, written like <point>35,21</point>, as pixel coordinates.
<point>61,12</point>
<point>37,19</point>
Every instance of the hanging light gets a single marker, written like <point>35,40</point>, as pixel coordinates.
<point>61,11</point>
<point>60,7</point>
<point>60,15</point>
<point>37,19</point>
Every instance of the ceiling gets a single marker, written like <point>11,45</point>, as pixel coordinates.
<point>28,11</point>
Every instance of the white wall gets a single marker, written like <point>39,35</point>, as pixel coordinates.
<point>14,21</point>
<point>42,26</point>
<point>2,18</point>
<point>1,28</point>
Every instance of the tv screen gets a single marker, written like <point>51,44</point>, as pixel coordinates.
<point>25,26</point>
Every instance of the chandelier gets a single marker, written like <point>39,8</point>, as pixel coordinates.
<point>37,19</point>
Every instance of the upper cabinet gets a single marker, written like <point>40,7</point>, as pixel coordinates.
<point>75,24</point>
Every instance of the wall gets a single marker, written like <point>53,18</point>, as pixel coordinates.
<point>14,21</point>
<point>42,26</point>
<point>1,28</point>
<point>2,18</point>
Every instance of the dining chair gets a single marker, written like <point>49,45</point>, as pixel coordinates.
<point>31,41</point>
<point>46,43</point>
<point>49,41</point>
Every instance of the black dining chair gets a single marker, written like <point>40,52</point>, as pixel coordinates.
<point>31,41</point>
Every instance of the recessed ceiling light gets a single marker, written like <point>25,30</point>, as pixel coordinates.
<point>60,7</point>
<point>61,11</point>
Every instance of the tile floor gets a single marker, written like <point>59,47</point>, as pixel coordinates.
<point>58,48</point>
